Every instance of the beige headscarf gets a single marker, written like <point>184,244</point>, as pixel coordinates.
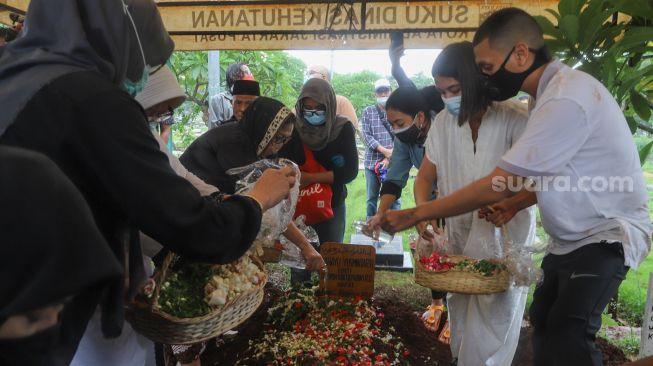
<point>317,137</point>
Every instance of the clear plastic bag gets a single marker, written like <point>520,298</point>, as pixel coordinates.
<point>276,219</point>
<point>519,261</point>
<point>291,255</point>
<point>438,243</point>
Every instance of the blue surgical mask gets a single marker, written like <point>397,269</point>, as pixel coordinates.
<point>453,104</point>
<point>315,120</point>
<point>315,117</point>
<point>135,87</point>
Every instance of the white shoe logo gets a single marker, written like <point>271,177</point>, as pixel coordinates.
<point>574,275</point>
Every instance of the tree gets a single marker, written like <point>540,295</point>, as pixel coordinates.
<point>280,76</point>
<point>610,40</point>
<point>357,87</point>
<point>421,80</point>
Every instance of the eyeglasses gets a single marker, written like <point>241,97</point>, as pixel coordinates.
<point>161,118</point>
<point>281,140</point>
<point>314,112</point>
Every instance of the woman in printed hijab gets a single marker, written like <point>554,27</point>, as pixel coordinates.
<point>331,139</point>
<point>266,126</point>
<point>67,87</point>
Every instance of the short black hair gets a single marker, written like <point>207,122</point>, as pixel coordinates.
<point>505,27</point>
<point>432,99</point>
<point>408,100</point>
<point>457,61</point>
<point>234,73</point>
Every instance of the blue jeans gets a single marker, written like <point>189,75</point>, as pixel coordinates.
<point>331,230</point>
<point>373,189</point>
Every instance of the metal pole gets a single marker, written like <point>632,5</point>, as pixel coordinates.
<point>214,73</point>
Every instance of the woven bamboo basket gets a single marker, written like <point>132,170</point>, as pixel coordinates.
<point>270,255</point>
<point>155,324</point>
<point>461,282</point>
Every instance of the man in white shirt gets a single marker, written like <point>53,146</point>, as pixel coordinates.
<point>589,186</point>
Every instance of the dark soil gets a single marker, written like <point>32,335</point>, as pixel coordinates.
<point>235,349</point>
<point>421,343</point>
<point>612,356</point>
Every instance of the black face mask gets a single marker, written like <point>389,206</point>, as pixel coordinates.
<point>411,135</point>
<point>503,84</point>
<point>29,351</point>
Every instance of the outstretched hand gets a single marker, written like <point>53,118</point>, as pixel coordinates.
<point>314,261</point>
<point>399,220</point>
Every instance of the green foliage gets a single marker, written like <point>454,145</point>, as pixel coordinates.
<point>421,80</point>
<point>182,293</point>
<point>280,76</point>
<point>192,74</point>
<point>610,40</point>
<point>357,87</point>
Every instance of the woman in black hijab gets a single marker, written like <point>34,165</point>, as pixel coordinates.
<point>66,85</point>
<point>51,251</point>
<point>238,144</point>
<point>266,126</point>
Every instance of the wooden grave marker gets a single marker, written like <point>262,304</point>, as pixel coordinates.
<point>350,270</point>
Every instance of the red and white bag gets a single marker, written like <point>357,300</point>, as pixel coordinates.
<point>314,200</point>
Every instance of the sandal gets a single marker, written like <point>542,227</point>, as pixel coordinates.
<point>445,334</point>
<point>430,319</point>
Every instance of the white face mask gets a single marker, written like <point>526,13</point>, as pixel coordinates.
<point>381,101</point>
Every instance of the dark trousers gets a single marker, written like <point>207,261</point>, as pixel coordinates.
<point>373,189</point>
<point>437,295</point>
<point>567,305</point>
<point>331,230</point>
